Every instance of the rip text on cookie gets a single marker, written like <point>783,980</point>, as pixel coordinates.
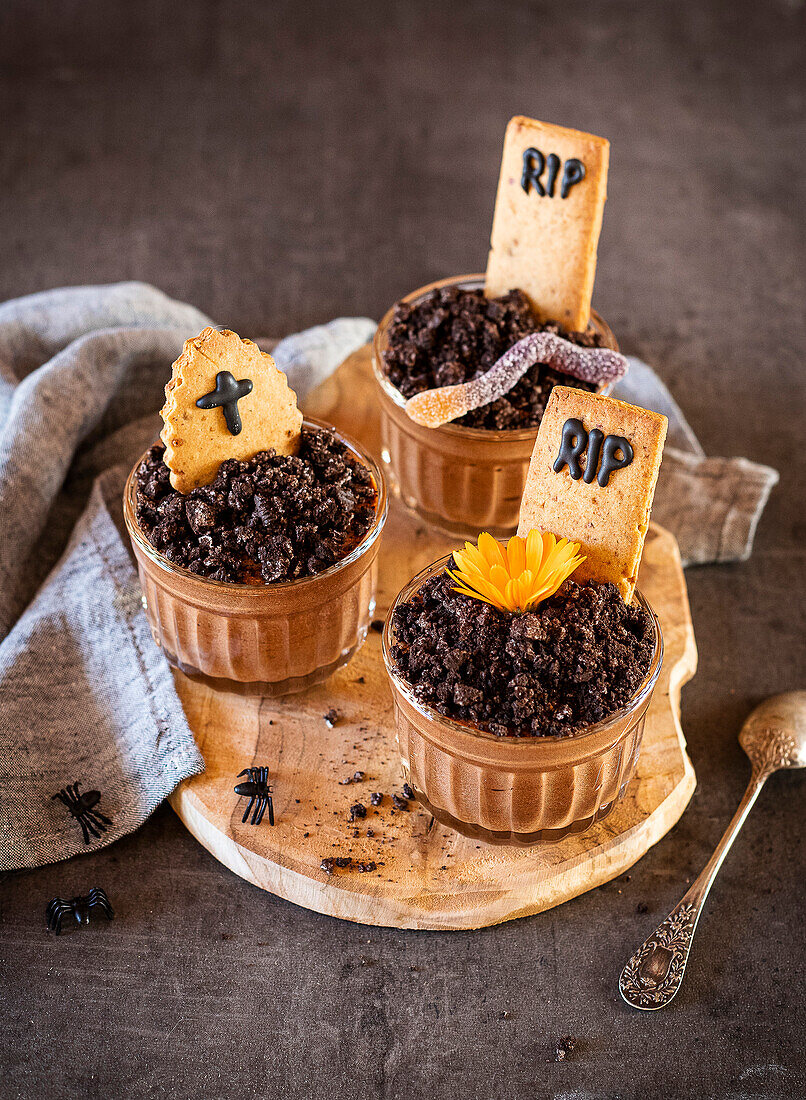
<point>535,164</point>
<point>603,453</point>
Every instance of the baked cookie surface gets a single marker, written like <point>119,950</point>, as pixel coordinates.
<point>592,479</point>
<point>548,216</point>
<point>226,399</point>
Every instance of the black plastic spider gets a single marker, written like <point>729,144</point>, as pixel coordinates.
<point>79,907</point>
<point>81,807</point>
<point>259,789</point>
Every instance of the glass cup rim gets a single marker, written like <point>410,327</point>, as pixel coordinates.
<point>372,535</point>
<point>467,282</point>
<point>639,696</point>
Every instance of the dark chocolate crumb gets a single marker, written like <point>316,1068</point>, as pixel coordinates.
<point>344,861</point>
<point>399,803</point>
<point>407,791</point>
<point>270,518</point>
<point>376,798</point>
<point>327,865</point>
<point>453,335</point>
<point>571,661</point>
<point>565,1047</point>
<point>356,777</point>
<point>367,865</point>
<point>332,717</point>
<point>357,810</point>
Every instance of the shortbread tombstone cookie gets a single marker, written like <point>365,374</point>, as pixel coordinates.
<point>592,478</point>
<point>548,215</point>
<point>226,399</point>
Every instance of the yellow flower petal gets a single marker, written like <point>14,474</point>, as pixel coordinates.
<point>484,588</point>
<point>516,556</point>
<point>534,551</point>
<point>499,575</point>
<point>492,550</point>
<point>473,556</point>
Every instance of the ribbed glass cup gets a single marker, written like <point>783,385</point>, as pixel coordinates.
<point>261,639</point>
<point>460,480</point>
<point>515,790</point>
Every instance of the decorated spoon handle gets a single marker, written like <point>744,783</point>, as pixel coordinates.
<point>655,972</point>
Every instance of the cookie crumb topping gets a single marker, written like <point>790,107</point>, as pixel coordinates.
<point>571,661</point>
<point>454,335</point>
<point>267,519</point>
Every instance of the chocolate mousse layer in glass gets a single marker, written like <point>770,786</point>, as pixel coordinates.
<point>536,783</point>
<point>252,634</point>
<point>462,479</point>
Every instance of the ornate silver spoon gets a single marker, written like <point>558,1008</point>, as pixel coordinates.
<point>774,737</point>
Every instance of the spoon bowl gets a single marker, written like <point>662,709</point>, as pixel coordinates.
<point>774,735</point>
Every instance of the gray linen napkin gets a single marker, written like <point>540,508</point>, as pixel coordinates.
<point>85,695</point>
<point>712,505</point>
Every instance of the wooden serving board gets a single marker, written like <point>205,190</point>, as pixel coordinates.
<point>427,875</point>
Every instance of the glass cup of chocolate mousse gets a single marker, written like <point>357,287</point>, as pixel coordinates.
<point>467,475</point>
<point>520,729</point>
<point>262,582</point>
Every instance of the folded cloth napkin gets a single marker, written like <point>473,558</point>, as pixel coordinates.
<point>85,695</point>
<point>713,505</point>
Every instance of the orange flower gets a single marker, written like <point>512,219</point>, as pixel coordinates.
<point>517,577</point>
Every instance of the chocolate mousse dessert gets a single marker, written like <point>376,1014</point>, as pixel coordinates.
<point>522,672</point>
<point>256,533</point>
<point>463,379</point>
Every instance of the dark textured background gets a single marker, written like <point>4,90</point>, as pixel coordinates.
<point>276,165</point>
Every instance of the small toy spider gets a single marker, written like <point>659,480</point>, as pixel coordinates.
<point>79,907</point>
<point>258,788</point>
<point>81,807</point>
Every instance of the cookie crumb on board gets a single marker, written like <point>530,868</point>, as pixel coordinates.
<point>565,1046</point>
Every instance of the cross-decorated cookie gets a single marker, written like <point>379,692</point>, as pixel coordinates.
<point>226,399</point>
<point>592,479</point>
<point>548,215</point>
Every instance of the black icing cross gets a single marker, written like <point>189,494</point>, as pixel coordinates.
<point>226,395</point>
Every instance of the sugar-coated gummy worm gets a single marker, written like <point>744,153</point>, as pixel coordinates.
<point>431,408</point>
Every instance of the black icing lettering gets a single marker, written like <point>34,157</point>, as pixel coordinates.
<point>553,165</point>
<point>573,173</point>
<point>612,444</point>
<point>574,442</point>
<point>533,165</point>
<point>614,451</point>
<point>595,438</point>
<point>226,395</point>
